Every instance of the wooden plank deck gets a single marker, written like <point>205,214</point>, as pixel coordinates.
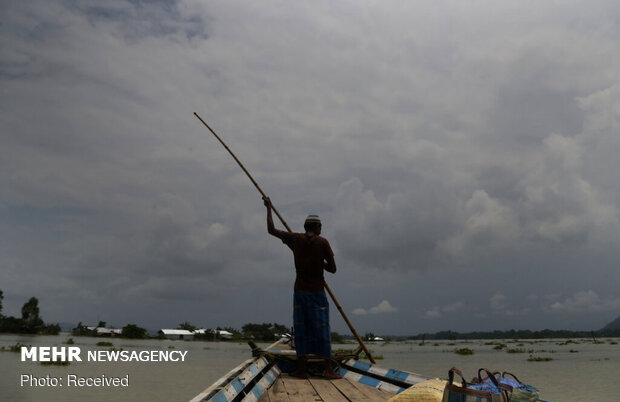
<point>291,389</point>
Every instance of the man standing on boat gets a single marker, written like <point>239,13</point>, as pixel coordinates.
<point>312,254</point>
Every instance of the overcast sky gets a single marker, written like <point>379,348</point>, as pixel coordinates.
<point>463,156</point>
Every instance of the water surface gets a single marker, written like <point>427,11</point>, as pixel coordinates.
<point>582,371</point>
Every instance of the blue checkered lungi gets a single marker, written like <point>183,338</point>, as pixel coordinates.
<point>311,323</point>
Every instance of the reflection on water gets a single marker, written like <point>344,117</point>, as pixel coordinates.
<point>578,372</point>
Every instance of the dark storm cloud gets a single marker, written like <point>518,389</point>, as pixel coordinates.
<point>474,142</point>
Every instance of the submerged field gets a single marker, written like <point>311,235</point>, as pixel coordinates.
<point>563,370</point>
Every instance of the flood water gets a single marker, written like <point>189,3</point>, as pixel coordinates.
<point>580,370</point>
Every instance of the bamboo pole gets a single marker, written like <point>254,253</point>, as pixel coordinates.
<point>331,294</point>
<point>244,169</point>
<point>346,319</point>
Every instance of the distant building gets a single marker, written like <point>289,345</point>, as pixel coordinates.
<point>101,331</point>
<point>176,333</point>
<point>283,336</point>
<point>218,332</point>
<point>223,334</point>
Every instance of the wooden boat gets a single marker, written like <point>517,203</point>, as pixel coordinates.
<point>264,378</point>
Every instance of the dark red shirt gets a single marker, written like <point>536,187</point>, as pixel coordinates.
<point>311,253</point>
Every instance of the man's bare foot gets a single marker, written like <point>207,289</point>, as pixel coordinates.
<point>331,375</point>
<point>299,374</point>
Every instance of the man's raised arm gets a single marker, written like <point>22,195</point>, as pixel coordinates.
<point>270,226</point>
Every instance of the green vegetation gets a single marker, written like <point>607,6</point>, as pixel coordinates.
<point>568,342</point>
<point>214,334</point>
<point>82,330</point>
<point>496,345</point>
<point>69,341</point>
<point>50,329</point>
<point>263,332</point>
<point>14,348</point>
<point>337,338</point>
<point>187,326</point>
<point>29,323</point>
<point>515,351</point>
<point>102,343</point>
<point>464,351</point>
<point>132,331</point>
<point>539,359</point>
<point>342,351</point>
<point>369,336</point>
<point>346,352</point>
<point>520,335</point>
<point>56,363</point>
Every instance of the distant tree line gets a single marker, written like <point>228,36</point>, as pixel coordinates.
<point>131,331</point>
<point>518,334</point>
<point>30,321</point>
<point>264,332</point>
